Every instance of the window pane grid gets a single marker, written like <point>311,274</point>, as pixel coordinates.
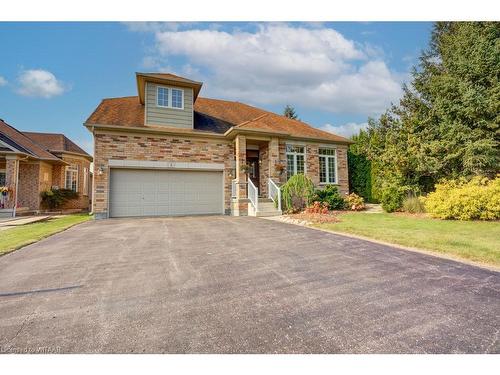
<point>327,166</point>
<point>176,98</point>
<point>71,178</point>
<point>162,97</point>
<point>322,170</point>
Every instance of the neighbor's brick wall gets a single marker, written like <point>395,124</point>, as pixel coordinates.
<point>156,148</point>
<point>29,186</point>
<point>83,200</point>
<point>45,181</point>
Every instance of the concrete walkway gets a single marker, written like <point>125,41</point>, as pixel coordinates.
<point>21,220</point>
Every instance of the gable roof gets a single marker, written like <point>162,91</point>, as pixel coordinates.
<point>214,115</point>
<point>55,143</point>
<point>166,79</point>
<point>21,142</point>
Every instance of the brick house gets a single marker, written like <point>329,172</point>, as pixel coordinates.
<point>31,163</point>
<point>169,151</point>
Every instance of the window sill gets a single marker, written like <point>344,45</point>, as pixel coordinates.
<point>329,183</point>
<point>168,107</point>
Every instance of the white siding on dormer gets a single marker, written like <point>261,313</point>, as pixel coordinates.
<point>178,118</point>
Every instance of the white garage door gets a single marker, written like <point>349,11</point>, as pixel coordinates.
<point>136,192</point>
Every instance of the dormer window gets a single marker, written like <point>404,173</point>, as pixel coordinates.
<point>162,97</point>
<point>177,98</point>
<point>170,97</point>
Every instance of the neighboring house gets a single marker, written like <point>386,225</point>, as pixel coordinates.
<point>34,162</point>
<point>168,151</point>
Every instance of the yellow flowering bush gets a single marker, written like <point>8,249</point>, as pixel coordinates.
<point>476,199</point>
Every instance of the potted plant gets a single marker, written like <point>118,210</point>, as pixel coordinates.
<point>280,168</point>
<point>245,168</point>
<point>4,190</point>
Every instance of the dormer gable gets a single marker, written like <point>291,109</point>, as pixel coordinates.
<point>168,99</point>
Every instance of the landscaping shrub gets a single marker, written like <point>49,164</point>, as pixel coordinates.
<point>330,194</point>
<point>317,208</point>
<point>297,193</point>
<point>354,202</point>
<point>394,194</point>
<point>413,205</point>
<point>55,198</point>
<point>478,198</point>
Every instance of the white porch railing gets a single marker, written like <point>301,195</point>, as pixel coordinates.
<point>253,194</point>
<point>233,188</point>
<point>274,192</point>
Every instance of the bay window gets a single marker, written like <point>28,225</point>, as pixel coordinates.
<point>71,177</point>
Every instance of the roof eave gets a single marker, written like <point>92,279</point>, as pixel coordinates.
<point>153,130</point>
<point>60,152</point>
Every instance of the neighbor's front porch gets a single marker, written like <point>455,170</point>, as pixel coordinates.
<point>23,179</point>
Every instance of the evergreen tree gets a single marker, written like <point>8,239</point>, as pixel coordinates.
<point>289,112</point>
<point>447,123</point>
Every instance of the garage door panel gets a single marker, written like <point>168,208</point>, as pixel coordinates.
<point>167,193</point>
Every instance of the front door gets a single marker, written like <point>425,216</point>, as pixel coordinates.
<point>253,163</point>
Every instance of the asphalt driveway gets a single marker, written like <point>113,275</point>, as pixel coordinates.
<point>238,285</point>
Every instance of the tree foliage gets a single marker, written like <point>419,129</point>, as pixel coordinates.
<point>289,112</point>
<point>447,124</point>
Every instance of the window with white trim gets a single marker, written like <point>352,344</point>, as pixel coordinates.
<point>3,177</point>
<point>177,98</point>
<point>71,177</point>
<point>327,166</point>
<point>162,97</point>
<point>295,160</point>
<point>169,97</point>
<point>85,181</point>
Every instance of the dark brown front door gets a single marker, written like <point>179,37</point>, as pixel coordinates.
<point>253,163</point>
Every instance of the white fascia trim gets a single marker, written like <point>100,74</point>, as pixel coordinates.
<point>148,164</point>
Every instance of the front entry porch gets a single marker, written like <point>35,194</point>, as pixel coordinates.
<point>255,190</point>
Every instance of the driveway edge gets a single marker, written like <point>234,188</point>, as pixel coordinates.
<point>488,267</point>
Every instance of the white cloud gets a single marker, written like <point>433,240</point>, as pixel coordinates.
<point>346,130</point>
<point>40,83</point>
<point>279,63</point>
<point>3,81</point>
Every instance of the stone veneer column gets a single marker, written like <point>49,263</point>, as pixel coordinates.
<point>11,180</point>
<point>274,158</point>
<point>241,159</point>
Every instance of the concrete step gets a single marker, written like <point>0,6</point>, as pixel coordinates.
<point>266,205</point>
<point>268,213</point>
<point>264,200</point>
<point>265,209</point>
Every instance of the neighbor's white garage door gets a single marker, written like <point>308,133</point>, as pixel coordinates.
<point>136,192</point>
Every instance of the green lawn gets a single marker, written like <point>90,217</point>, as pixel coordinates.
<point>472,240</point>
<point>12,239</point>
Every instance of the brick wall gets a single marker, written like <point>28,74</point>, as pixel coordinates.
<point>45,180</point>
<point>155,148</point>
<point>83,200</point>
<point>312,164</point>
<point>29,195</point>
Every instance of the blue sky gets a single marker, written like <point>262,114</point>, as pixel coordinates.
<point>336,75</point>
